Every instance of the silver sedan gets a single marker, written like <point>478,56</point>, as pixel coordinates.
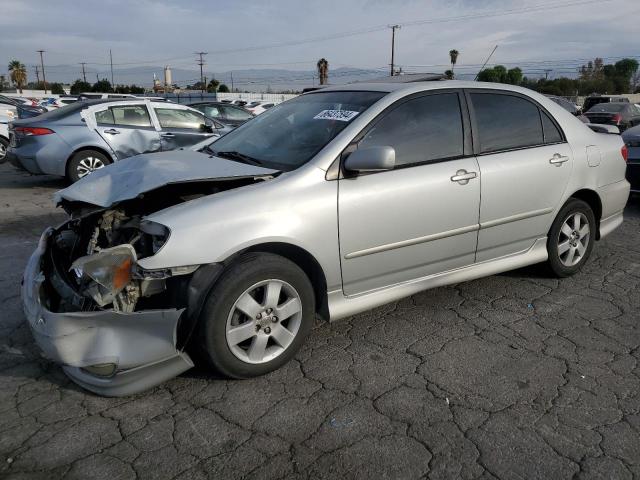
<point>332,203</point>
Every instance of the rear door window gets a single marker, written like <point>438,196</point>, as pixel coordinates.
<point>124,115</point>
<point>550,130</point>
<point>506,122</point>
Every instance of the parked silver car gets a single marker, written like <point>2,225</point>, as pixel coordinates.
<point>332,203</point>
<point>82,137</point>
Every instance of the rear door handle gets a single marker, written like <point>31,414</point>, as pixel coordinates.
<point>558,159</point>
<point>112,131</point>
<point>463,177</point>
<point>167,135</point>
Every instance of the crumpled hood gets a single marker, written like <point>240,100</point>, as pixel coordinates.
<point>133,176</point>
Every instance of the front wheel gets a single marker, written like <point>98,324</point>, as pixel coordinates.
<point>571,238</point>
<point>257,316</point>
<point>3,149</point>
<point>85,162</point>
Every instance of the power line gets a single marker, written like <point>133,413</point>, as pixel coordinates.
<point>376,28</point>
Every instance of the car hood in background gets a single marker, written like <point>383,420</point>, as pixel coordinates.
<point>133,176</point>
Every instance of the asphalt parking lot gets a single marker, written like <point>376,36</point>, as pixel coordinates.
<point>512,376</point>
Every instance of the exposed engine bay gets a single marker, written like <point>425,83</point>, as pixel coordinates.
<point>92,258</point>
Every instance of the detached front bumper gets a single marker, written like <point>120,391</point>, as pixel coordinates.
<point>141,345</point>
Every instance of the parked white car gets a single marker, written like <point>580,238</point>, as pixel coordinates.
<point>6,116</point>
<point>259,107</point>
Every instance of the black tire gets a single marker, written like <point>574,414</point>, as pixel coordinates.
<point>556,236</point>
<point>74,170</point>
<point>4,143</point>
<point>245,272</point>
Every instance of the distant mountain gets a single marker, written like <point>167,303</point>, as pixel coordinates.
<point>258,80</point>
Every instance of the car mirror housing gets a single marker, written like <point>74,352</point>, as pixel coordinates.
<point>371,159</point>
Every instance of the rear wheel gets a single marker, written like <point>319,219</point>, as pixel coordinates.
<point>256,316</point>
<point>85,162</point>
<point>571,238</point>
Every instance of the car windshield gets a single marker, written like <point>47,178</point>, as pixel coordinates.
<point>290,134</point>
<point>607,107</point>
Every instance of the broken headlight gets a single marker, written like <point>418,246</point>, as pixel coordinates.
<point>111,269</point>
<point>158,233</point>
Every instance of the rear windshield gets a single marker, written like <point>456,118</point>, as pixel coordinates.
<point>607,107</point>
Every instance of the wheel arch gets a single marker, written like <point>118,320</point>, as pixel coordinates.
<point>593,200</point>
<point>303,259</point>
<point>84,148</point>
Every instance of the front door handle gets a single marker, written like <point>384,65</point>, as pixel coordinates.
<point>463,177</point>
<point>558,159</point>
<point>167,135</point>
<point>112,131</point>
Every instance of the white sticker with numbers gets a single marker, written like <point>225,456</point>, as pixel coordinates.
<point>341,115</point>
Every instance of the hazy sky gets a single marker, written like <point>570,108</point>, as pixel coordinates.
<point>158,32</point>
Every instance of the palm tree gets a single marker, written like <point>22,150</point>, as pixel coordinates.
<point>453,54</point>
<point>18,73</point>
<point>323,71</point>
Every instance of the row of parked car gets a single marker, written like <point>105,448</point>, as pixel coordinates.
<point>88,134</point>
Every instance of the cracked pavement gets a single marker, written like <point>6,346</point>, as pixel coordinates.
<point>512,376</point>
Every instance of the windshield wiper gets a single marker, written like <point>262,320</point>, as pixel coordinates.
<point>240,157</point>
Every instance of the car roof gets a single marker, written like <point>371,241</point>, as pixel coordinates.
<point>411,87</point>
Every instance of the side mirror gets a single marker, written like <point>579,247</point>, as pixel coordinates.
<point>207,126</point>
<point>371,159</point>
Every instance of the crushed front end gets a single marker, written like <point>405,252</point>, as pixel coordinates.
<point>116,328</point>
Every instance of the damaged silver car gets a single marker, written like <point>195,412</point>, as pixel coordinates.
<point>336,202</point>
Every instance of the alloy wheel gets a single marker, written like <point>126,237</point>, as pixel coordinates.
<point>573,239</point>
<point>3,151</point>
<point>88,165</point>
<point>264,321</point>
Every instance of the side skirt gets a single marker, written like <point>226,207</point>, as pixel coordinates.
<point>341,306</point>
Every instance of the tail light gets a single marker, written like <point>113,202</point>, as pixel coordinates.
<point>617,118</point>
<point>32,131</point>
<point>625,153</point>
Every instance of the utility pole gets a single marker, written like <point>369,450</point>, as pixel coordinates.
<point>84,75</point>
<point>111,62</point>
<point>37,74</point>
<point>232,81</point>
<point>393,46</point>
<point>44,78</point>
<point>201,63</point>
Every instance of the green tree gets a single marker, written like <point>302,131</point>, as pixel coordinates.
<point>56,89</point>
<point>223,88</point>
<point>323,71</point>
<point>102,86</point>
<point>135,90</point>
<point>18,74</point>
<point>514,76</point>
<point>79,87</point>
<point>448,74</point>
<point>453,56</point>
<point>212,86</point>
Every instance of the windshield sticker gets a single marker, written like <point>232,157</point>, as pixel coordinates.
<point>341,115</point>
